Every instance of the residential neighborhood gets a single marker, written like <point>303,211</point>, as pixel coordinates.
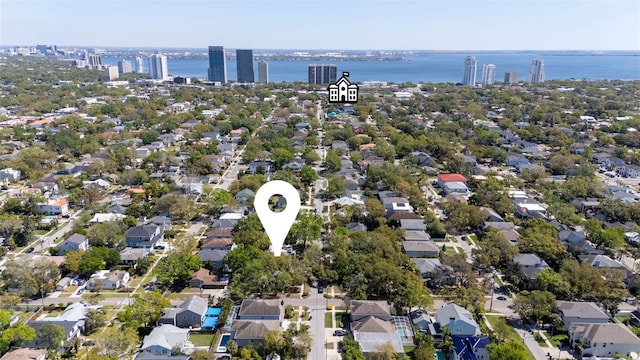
<point>447,223</point>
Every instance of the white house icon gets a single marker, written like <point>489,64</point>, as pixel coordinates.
<point>343,90</point>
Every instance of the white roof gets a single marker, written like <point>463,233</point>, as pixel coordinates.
<point>531,207</point>
<point>107,217</point>
<point>231,216</point>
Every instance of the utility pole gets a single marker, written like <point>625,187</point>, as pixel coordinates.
<point>493,282</point>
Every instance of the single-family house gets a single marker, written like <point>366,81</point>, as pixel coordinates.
<point>72,320</point>
<point>515,159</point>
<point>603,340</point>
<point>245,197</point>
<point>259,310</point>
<point>530,168</point>
<point>455,187</point>
<point>530,264</point>
<point>573,312</point>
<point>9,174</point>
<point>109,280</point>
<point>413,225</point>
<point>189,314</point>
<point>393,204</point>
<point>490,215</point>
<point>203,279</point>
<point>420,248</point>
<point>131,256</point>
<point>445,178</point>
<point>525,207</point>
<point>470,347</point>
<point>372,326</point>
<point>458,319</point>
<point>25,354</point>
<point>74,242</point>
<point>63,283</point>
<point>410,235</point>
<point>144,236</point>
<point>164,340</point>
<point>56,207</point>
<point>260,167</point>
<point>433,272</point>
<point>629,170</point>
<point>245,332</point>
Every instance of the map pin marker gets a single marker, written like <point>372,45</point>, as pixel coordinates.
<point>277,225</point>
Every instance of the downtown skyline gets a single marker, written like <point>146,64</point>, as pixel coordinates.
<point>437,25</point>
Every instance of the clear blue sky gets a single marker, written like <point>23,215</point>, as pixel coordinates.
<point>326,24</point>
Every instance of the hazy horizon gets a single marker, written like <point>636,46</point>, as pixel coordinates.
<point>403,25</point>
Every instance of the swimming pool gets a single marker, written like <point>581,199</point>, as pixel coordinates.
<point>222,346</point>
<point>211,318</point>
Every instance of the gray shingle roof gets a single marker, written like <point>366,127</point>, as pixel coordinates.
<point>76,239</point>
<point>196,304</point>
<point>581,310</point>
<point>259,308</point>
<point>369,307</point>
<point>253,330</point>
<point>142,231</point>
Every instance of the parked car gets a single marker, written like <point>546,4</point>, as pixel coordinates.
<point>30,250</point>
<point>503,298</point>
<point>320,289</point>
<point>81,291</point>
<point>340,332</point>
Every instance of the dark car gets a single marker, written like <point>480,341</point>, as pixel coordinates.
<point>30,250</point>
<point>503,298</point>
<point>81,291</point>
<point>340,332</point>
<point>320,289</point>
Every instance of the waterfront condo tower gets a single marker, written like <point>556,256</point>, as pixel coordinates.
<point>111,73</point>
<point>263,72</point>
<point>124,66</point>
<point>217,64</point>
<point>536,72</point>
<point>158,67</point>
<point>244,61</point>
<point>322,74</point>
<point>488,74</point>
<point>510,78</point>
<point>139,64</point>
<point>470,69</point>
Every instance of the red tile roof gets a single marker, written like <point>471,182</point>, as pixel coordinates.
<point>452,177</point>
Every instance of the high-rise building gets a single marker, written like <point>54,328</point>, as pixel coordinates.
<point>139,64</point>
<point>488,74</point>
<point>322,74</point>
<point>158,67</point>
<point>111,73</point>
<point>94,60</point>
<point>124,66</point>
<point>244,61</point>
<point>536,72</point>
<point>510,78</point>
<point>470,69</point>
<point>217,64</point>
<point>263,72</point>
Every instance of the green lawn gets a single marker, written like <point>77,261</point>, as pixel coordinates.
<point>557,339</point>
<point>201,339</point>
<point>328,320</point>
